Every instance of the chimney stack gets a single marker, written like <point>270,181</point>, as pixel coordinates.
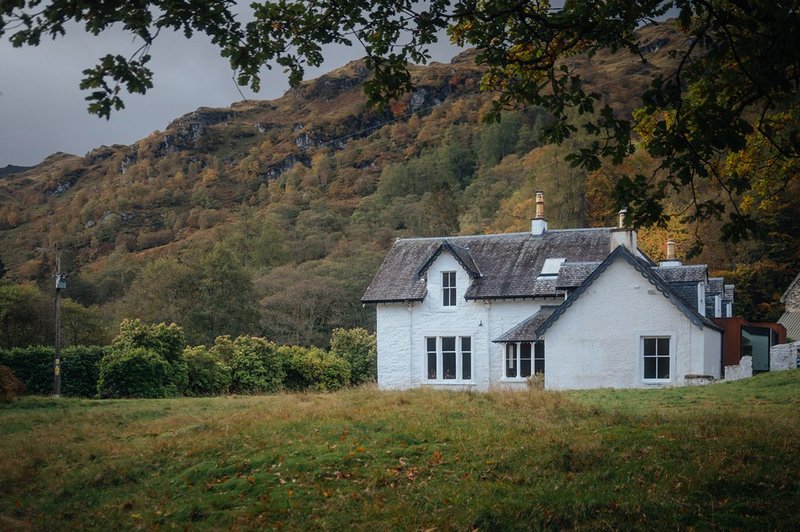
<point>670,261</point>
<point>623,235</point>
<point>539,224</point>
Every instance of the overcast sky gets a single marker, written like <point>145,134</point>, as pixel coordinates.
<point>42,110</point>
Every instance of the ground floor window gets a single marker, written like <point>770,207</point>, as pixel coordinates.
<point>655,352</point>
<point>524,359</point>
<point>449,357</point>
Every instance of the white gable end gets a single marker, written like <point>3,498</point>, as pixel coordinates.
<point>600,341</point>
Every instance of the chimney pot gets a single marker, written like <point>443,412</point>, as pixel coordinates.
<point>670,250</point>
<point>539,205</point>
<point>622,215</point>
<point>539,224</point>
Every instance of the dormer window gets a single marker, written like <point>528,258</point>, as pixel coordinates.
<point>449,289</point>
<point>550,268</point>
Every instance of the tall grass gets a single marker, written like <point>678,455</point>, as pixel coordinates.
<point>721,456</point>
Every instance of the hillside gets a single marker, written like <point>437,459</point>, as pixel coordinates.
<point>723,456</point>
<point>306,192</point>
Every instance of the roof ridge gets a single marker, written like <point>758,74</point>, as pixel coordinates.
<point>487,235</point>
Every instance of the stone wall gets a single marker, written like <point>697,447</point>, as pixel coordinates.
<point>741,371</point>
<point>784,356</point>
<point>792,300</point>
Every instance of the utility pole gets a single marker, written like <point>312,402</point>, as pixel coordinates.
<point>61,283</point>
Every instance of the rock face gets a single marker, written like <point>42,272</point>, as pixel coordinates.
<point>185,132</point>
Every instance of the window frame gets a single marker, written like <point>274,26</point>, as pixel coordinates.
<point>460,353</point>
<point>523,358</point>
<point>659,357</point>
<point>449,291</point>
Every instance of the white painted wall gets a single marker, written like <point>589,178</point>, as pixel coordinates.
<point>784,356</point>
<point>597,342</point>
<point>402,330</point>
<point>742,370</point>
<point>593,345</point>
<point>712,364</point>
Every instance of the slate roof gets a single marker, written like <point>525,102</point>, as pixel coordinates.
<point>728,293</point>
<point>461,254</point>
<point>688,293</point>
<point>716,285</point>
<point>526,330</point>
<point>508,264</point>
<point>649,273</point>
<point>791,320</point>
<point>683,274</point>
<point>572,274</point>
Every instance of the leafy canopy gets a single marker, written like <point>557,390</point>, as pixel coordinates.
<point>736,81</point>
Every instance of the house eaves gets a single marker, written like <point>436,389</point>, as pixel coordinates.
<point>460,253</point>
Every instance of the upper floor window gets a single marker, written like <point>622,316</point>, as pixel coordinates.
<point>449,289</point>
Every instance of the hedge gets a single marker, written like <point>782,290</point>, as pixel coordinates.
<point>33,366</point>
<point>135,372</point>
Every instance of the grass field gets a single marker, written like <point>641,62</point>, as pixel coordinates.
<point>721,456</point>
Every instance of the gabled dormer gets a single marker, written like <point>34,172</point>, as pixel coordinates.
<point>448,272</point>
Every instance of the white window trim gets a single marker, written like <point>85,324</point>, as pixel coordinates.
<point>672,341</point>
<point>503,377</point>
<point>442,289</point>
<point>440,380</point>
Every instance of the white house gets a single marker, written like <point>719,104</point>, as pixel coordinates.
<point>585,307</point>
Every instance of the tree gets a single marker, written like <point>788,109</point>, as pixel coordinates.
<point>225,301</point>
<point>737,71</point>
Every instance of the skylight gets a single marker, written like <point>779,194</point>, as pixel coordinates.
<point>551,267</point>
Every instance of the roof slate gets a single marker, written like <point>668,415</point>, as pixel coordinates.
<point>687,292</point>
<point>683,274</point>
<point>509,263</point>
<point>728,292</point>
<point>715,285</point>
<point>572,274</point>
<point>526,330</point>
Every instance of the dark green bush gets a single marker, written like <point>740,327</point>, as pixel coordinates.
<point>208,375</point>
<point>167,341</point>
<point>313,368</point>
<point>359,349</point>
<point>255,367</point>
<point>135,372</point>
<point>80,370</point>
<point>10,386</point>
<point>33,366</point>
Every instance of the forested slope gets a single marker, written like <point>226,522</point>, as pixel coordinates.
<point>270,217</point>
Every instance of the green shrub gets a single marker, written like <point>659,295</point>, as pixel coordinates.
<point>255,367</point>
<point>33,366</point>
<point>135,372</point>
<point>359,349</point>
<point>167,341</point>
<point>208,375</point>
<point>313,368</point>
<point>80,370</point>
<point>10,386</point>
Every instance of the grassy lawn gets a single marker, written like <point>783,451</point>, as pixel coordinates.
<point>720,456</point>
